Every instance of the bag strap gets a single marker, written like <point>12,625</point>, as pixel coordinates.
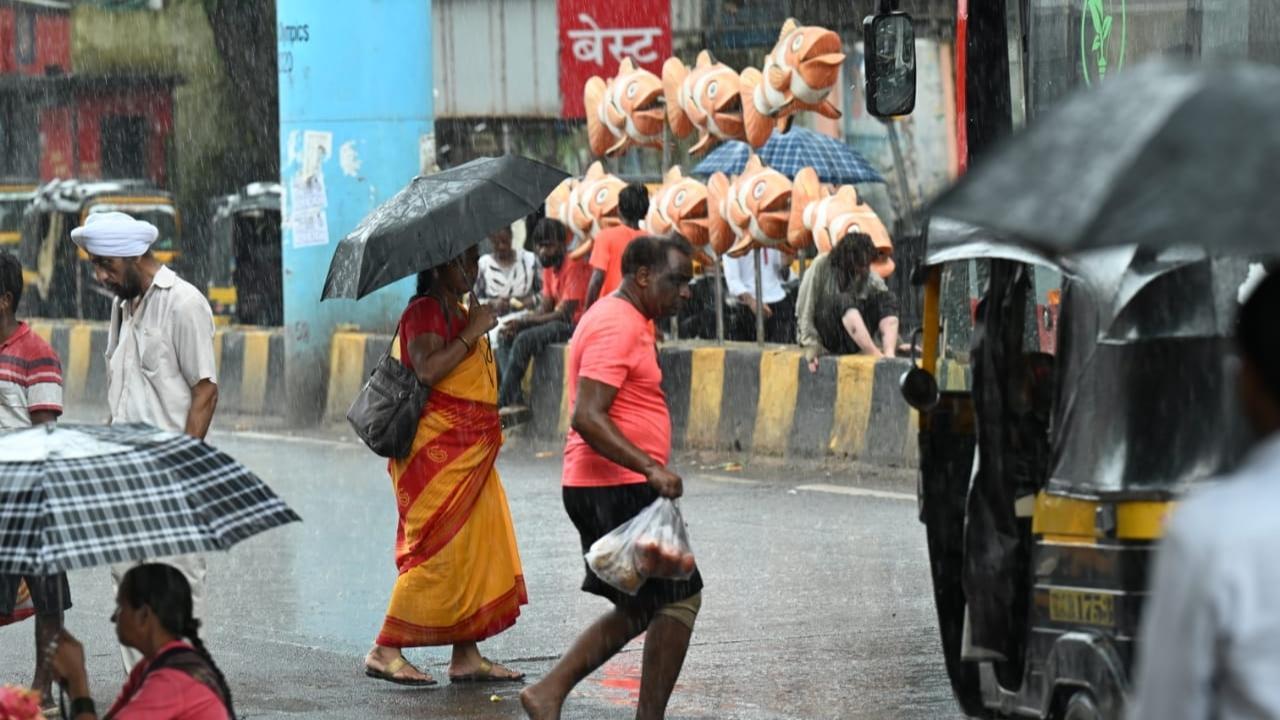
<point>448,318</point>
<point>394,336</point>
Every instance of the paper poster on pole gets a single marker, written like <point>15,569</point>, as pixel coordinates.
<point>308,201</point>
<point>310,229</point>
<point>317,147</point>
<point>309,194</point>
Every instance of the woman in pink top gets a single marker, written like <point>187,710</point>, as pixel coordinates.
<point>177,679</point>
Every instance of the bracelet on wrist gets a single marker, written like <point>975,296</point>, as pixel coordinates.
<point>465,343</point>
<point>82,706</point>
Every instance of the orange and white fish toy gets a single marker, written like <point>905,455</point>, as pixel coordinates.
<point>624,111</point>
<point>560,202</point>
<point>821,217</point>
<point>593,207</point>
<point>719,234</point>
<point>707,98</point>
<point>680,205</point>
<point>756,208</point>
<point>798,75</point>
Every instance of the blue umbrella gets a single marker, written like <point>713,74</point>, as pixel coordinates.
<point>788,152</point>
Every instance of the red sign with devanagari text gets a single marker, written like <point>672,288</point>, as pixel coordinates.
<point>595,35</point>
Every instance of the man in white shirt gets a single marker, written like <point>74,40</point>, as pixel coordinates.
<point>1210,640</point>
<point>160,361</point>
<point>779,310</point>
<point>508,281</point>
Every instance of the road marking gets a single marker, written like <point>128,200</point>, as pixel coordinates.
<point>860,492</point>
<point>728,480</point>
<point>272,437</point>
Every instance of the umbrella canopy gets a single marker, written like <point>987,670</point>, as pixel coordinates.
<point>1165,154</point>
<point>790,152</point>
<point>434,219</point>
<point>75,496</point>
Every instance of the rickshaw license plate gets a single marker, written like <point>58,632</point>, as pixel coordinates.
<point>1074,606</point>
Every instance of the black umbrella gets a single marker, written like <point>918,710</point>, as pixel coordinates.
<point>1165,154</point>
<point>436,218</point>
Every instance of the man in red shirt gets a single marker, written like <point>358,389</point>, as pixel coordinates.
<point>564,294</point>
<point>615,465</point>
<point>30,394</point>
<point>606,254</point>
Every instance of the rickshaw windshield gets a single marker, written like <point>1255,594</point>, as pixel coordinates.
<point>963,253</point>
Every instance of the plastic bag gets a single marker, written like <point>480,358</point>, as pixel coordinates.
<point>653,544</point>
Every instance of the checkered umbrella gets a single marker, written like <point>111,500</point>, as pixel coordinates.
<point>75,496</point>
<point>789,152</point>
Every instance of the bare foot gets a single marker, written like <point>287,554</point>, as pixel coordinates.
<point>538,707</point>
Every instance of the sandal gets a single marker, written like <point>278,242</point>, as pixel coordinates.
<point>389,674</point>
<point>514,415</point>
<point>485,674</point>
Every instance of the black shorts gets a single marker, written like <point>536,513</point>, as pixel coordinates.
<point>45,591</point>
<point>596,512</point>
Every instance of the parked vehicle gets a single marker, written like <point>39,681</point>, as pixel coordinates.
<point>1075,394</point>
<point>246,276</point>
<point>59,270</point>
<point>1043,487</point>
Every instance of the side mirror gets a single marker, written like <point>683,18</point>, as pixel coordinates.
<point>889,41</point>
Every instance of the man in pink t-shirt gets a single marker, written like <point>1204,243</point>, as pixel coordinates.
<point>615,465</point>
<point>564,295</point>
<point>606,254</point>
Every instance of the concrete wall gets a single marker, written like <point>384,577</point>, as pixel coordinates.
<point>732,399</point>
<point>250,366</point>
<point>355,108</point>
<point>742,399</point>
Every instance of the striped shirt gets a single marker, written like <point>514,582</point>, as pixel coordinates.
<point>30,378</point>
<point>517,281</point>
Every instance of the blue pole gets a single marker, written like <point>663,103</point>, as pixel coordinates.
<point>355,109</point>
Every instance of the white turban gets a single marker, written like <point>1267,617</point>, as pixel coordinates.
<point>115,234</point>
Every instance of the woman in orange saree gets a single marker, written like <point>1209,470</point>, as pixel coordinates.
<point>460,576</point>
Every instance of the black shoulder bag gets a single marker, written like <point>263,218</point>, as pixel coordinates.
<point>386,410</point>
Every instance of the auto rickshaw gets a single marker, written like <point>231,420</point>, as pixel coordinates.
<point>1045,479</point>
<point>58,269</point>
<point>246,280</point>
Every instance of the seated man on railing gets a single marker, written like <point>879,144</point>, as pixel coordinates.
<point>564,293</point>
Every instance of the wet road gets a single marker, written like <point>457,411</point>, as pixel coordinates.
<point>817,602</point>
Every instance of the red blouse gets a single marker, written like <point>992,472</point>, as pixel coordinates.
<point>166,694</point>
<point>425,315</point>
